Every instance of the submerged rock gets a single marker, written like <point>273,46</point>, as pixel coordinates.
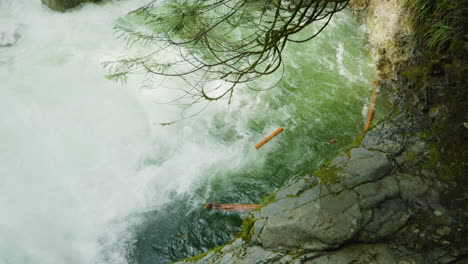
<point>62,5</point>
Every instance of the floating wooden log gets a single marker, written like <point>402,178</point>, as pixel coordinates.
<point>279,130</point>
<point>370,114</point>
<point>233,207</point>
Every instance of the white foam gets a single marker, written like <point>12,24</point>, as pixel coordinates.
<point>341,67</point>
<point>74,145</point>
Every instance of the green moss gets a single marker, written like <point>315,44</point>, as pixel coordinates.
<point>447,170</point>
<point>268,199</point>
<point>355,144</point>
<point>218,249</point>
<point>411,156</point>
<point>357,141</point>
<point>247,229</point>
<point>452,169</point>
<point>433,160</point>
<point>328,174</point>
<point>426,135</point>
<point>417,73</point>
<point>194,258</point>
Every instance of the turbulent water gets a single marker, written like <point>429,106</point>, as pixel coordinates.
<point>87,174</point>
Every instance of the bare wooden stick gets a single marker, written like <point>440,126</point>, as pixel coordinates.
<point>279,130</point>
<point>370,114</point>
<point>233,207</point>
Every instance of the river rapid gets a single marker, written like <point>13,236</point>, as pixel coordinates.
<point>88,174</point>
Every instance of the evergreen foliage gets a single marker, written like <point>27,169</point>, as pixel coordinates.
<point>442,21</point>
<point>214,45</point>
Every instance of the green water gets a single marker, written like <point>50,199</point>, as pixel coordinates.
<point>326,84</point>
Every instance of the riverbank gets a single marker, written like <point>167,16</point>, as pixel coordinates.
<point>398,195</point>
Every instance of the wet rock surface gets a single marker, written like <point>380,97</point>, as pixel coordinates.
<point>392,198</point>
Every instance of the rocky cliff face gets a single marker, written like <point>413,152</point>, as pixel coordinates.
<point>390,198</point>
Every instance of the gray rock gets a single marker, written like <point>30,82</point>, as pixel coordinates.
<point>227,258</point>
<point>278,207</point>
<point>361,153</point>
<point>259,255</point>
<point>357,254</point>
<point>292,189</point>
<point>258,227</point>
<point>238,243</point>
<point>401,159</point>
<point>365,166</point>
<point>385,141</point>
<point>418,147</point>
<point>257,214</point>
<point>390,146</point>
<point>321,224</point>
<point>312,195</point>
<point>387,218</point>
<point>62,5</point>
<point>234,245</point>
<point>335,187</point>
<point>412,187</point>
<point>285,260</point>
<point>372,193</point>
<point>297,186</point>
<point>368,253</point>
<point>339,161</point>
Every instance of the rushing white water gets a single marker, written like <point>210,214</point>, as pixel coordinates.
<point>80,155</point>
<point>70,140</point>
<point>79,152</point>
